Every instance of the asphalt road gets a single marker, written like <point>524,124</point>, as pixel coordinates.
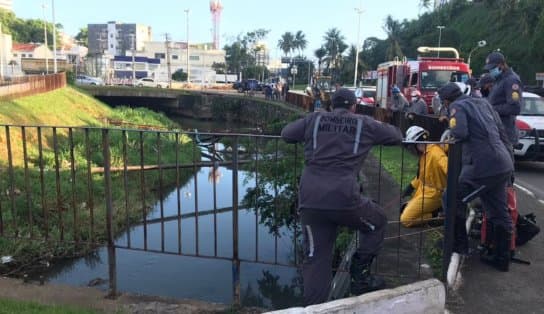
<point>530,175</point>
<point>486,290</point>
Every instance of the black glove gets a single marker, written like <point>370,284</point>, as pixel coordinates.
<point>408,191</point>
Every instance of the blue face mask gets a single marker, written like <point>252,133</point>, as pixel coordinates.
<point>495,72</point>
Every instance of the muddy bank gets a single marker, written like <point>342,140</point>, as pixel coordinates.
<point>86,297</point>
<point>403,253</point>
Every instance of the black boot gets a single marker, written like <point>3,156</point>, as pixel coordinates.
<point>503,238</point>
<point>498,251</point>
<point>362,281</point>
<point>460,244</point>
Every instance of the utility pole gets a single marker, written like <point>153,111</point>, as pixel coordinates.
<point>45,38</point>
<point>188,68</point>
<point>168,64</point>
<point>359,11</point>
<point>133,46</point>
<point>54,38</point>
<point>2,55</point>
<point>440,27</point>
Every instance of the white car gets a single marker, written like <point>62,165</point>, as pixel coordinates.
<point>151,82</point>
<point>88,80</point>
<point>530,124</point>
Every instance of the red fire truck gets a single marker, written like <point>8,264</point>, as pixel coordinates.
<point>426,74</point>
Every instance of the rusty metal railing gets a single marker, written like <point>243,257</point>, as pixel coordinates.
<point>30,85</point>
<point>88,187</point>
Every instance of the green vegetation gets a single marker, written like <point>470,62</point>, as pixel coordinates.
<point>242,55</point>
<point>68,208</point>
<point>398,162</point>
<point>20,307</point>
<point>514,27</point>
<point>27,30</point>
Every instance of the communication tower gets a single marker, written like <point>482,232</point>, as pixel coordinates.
<point>216,8</point>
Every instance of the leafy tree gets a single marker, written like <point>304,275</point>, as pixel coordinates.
<point>236,56</point>
<point>335,46</point>
<point>287,43</point>
<point>320,53</point>
<point>219,67</point>
<point>179,75</point>
<point>300,42</point>
<point>241,55</point>
<point>82,36</point>
<point>373,52</point>
<point>393,30</point>
<point>27,30</point>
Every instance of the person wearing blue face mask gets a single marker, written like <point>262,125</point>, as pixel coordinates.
<point>506,94</point>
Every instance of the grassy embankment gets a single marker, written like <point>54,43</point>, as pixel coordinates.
<point>30,209</point>
<point>9,307</point>
<point>403,167</point>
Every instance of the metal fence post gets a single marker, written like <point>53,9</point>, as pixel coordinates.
<point>454,168</point>
<point>109,214</point>
<point>235,257</point>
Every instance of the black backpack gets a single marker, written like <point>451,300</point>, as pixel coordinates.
<point>526,229</point>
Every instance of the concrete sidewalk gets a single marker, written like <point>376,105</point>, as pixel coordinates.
<point>521,290</point>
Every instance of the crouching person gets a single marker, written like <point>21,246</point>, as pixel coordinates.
<point>429,183</point>
<point>335,145</point>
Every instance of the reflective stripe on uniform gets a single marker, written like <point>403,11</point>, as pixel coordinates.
<point>310,241</point>
<point>357,136</point>
<point>316,127</point>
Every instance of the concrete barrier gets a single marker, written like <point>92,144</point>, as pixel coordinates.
<point>427,297</point>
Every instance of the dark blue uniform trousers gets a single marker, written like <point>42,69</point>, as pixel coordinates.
<point>493,198</point>
<point>319,228</point>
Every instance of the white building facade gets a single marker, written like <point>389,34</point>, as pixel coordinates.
<point>115,38</point>
<point>201,59</point>
<point>6,5</point>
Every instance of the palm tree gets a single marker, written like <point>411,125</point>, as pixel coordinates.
<point>287,43</point>
<point>393,29</point>
<point>335,46</point>
<point>320,53</point>
<point>300,42</point>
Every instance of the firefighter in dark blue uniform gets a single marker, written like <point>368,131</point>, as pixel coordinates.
<point>486,162</point>
<point>485,84</point>
<point>335,146</point>
<point>506,94</point>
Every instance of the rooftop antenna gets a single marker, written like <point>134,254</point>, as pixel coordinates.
<point>216,8</point>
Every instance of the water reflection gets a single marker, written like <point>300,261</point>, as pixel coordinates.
<point>266,235</point>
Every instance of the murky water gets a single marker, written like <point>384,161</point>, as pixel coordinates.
<point>211,279</point>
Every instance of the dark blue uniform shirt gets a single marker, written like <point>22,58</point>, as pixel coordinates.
<point>505,97</point>
<point>335,145</point>
<point>475,124</point>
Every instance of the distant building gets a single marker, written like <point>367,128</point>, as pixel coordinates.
<point>115,38</point>
<point>201,58</point>
<point>6,5</point>
<point>35,51</point>
<point>143,67</point>
<point>5,56</point>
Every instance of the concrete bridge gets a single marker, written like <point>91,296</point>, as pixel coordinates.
<point>209,105</point>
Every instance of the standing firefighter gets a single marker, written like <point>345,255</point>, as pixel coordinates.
<point>505,96</point>
<point>335,145</point>
<point>486,162</point>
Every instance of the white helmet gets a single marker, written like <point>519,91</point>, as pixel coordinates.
<point>416,133</point>
<point>465,89</point>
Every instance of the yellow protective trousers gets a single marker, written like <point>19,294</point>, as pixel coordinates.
<point>429,185</point>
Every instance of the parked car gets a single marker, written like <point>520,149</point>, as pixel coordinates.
<point>248,84</point>
<point>530,124</point>
<point>366,95</point>
<point>88,80</point>
<point>151,82</point>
